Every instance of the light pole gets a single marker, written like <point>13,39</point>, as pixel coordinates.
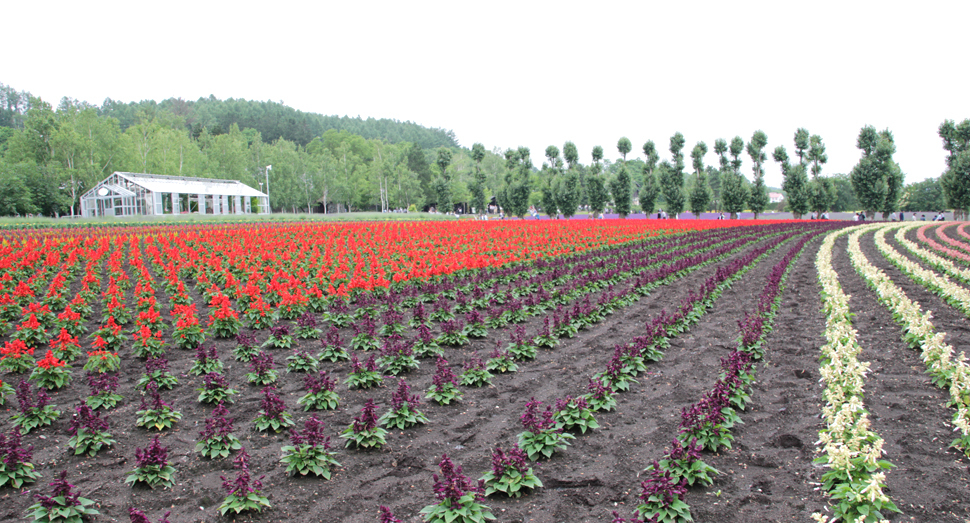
<point>269,208</point>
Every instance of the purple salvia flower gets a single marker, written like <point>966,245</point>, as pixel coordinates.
<point>159,364</point>
<point>474,362</point>
<point>443,375</point>
<point>333,337</point>
<point>424,334</point>
<point>86,418</point>
<point>279,330</point>
<point>12,453</point>
<point>386,516</point>
<point>261,363</point>
<point>153,454</point>
<point>453,484</point>
<point>272,405</point>
<point>402,396</point>
<point>319,382</point>
<point>218,425</point>
<point>243,484</point>
<point>306,320</point>
<point>99,383</point>
<point>215,381</point>
<point>313,434</point>
<point>246,340</point>
<point>367,419</point>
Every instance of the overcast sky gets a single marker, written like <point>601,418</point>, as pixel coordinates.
<point>530,73</point>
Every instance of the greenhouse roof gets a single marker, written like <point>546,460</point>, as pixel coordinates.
<point>189,185</point>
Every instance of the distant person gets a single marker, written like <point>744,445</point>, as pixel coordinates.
<point>922,217</point>
<point>856,217</point>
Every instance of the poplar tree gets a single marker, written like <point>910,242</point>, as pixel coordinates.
<point>478,183</point>
<point>650,189</point>
<point>876,179</point>
<point>700,196</point>
<point>733,189</point>
<point>955,181</point>
<point>672,176</point>
<point>758,199</point>
<point>596,185</point>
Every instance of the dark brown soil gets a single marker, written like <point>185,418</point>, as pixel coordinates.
<point>767,476</point>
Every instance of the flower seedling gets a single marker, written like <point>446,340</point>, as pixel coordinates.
<point>262,371</point>
<point>309,452</point>
<point>301,361</point>
<point>365,431</point>
<point>453,333</point>
<point>62,505</point>
<point>206,361</point>
<point>426,346</point>
<point>15,466</point>
<point>475,326</point>
<point>246,347</point>
<point>188,334</point>
<point>215,389</point>
<point>320,394</point>
<point>103,387</point>
<point>35,410</point>
<point>156,414</point>
<point>153,468</point>
<point>544,337</point>
<point>51,373</point>
<point>279,337</point>
<point>542,436</point>
<point>66,347</point>
<point>397,356</point>
<point>501,361</point>
<point>662,498</point>
<point>148,344</point>
<point>474,373</point>
<point>520,346</point>
<point>684,462</point>
<point>365,334</point>
<point>306,327</point>
<point>223,320</point>
<point>575,413</point>
<point>216,439</point>
<point>101,360</point>
<point>364,376</point>
<point>331,348</point>
<point>510,474</point>
<point>272,413</point>
<point>156,370</point>
<point>404,411</point>
<point>600,397</point>
<point>16,357</point>
<point>89,432</point>
<point>444,384</point>
<point>243,494</point>
<point>459,499</point>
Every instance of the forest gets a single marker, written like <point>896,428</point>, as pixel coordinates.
<point>49,156</point>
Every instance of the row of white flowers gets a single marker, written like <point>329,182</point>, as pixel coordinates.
<point>930,258</point>
<point>849,448</point>
<point>939,284</point>
<point>920,333</point>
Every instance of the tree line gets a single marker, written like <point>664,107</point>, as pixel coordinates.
<point>49,157</point>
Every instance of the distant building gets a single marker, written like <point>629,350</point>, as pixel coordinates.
<point>775,197</point>
<point>132,194</point>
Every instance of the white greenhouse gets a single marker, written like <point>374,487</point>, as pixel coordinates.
<point>131,194</point>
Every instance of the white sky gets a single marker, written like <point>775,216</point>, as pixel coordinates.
<point>510,73</point>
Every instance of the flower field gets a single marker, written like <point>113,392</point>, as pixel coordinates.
<point>614,370</point>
